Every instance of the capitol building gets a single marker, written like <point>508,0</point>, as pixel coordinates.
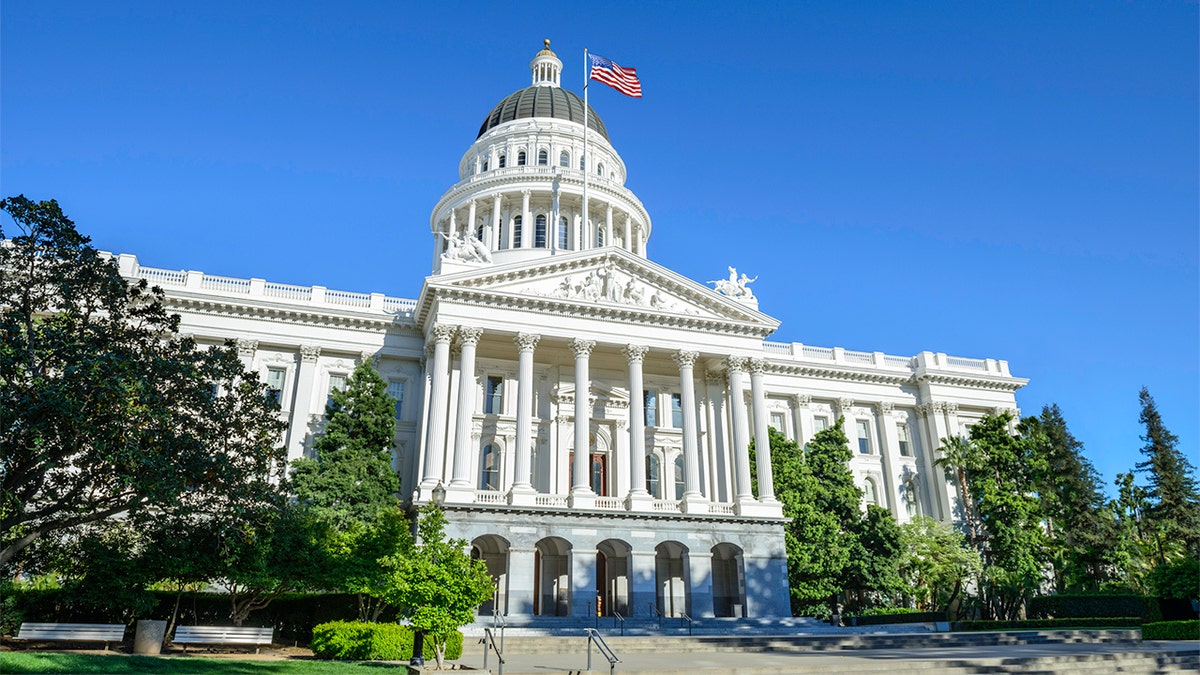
<point>587,414</point>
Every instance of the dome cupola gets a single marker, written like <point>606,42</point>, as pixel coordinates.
<point>546,67</point>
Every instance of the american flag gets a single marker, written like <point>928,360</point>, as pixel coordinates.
<point>624,80</point>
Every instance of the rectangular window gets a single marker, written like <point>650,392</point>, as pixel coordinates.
<point>905,447</point>
<point>396,390</point>
<point>820,424</point>
<point>336,383</point>
<point>651,407</point>
<point>778,421</point>
<point>493,395</point>
<point>677,411</point>
<point>275,383</point>
<point>864,443</point>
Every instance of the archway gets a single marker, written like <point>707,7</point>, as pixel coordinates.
<point>670,578</point>
<point>612,577</point>
<point>552,577</point>
<point>728,581</point>
<point>493,551</point>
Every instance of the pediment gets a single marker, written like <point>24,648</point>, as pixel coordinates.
<point>603,282</point>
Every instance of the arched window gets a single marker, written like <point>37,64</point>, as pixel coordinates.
<point>564,159</point>
<point>870,496</point>
<point>516,228</point>
<point>485,164</point>
<point>599,237</point>
<point>489,469</point>
<point>679,478</point>
<point>521,158</point>
<point>563,232</point>
<point>598,475</point>
<point>500,162</point>
<point>539,231</point>
<point>543,158</point>
<point>479,231</point>
<point>600,170</point>
<point>652,480</point>
<point>581,166</point>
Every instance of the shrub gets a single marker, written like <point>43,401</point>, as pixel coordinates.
<point>1176,579</point>
<point>1172,630</point>
<point>1066,606</point>
<point>1050,624</point>
<point>898,616</point>
<point>358,641</point>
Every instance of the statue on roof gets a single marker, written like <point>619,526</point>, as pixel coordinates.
<point>733,287</point>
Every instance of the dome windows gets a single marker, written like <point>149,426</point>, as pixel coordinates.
<point>521,158</point>
<point>543,158</point>
<point>539,232</point>
<point>600,170</point>
<point>564,159</point>
<point>500,161</point>
<point>516,231</point>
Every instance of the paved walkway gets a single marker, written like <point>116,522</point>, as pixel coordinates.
<point>764,663</point>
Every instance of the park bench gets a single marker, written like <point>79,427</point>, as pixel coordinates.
<point>72,632</point>
<point>223,635</point>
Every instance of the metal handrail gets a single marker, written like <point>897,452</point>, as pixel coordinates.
<point>498,621</point>
<point>654,609</point>
<point>684,617</point>
<point>601,646</point>
<point>617,618</point>
<point>489,643</point>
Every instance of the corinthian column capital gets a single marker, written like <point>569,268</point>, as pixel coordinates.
<point>469,335</point>
<point>527,342</point>
<point>685,359</point>
<point>635,353</point>
<point>582,347</point>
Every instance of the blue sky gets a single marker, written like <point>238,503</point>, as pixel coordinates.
<point>1006,180</point>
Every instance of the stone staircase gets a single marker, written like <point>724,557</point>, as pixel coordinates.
<point>634,626</point>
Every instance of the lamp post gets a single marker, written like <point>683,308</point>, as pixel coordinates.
<point>438,497</point>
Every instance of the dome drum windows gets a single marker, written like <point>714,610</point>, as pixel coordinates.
<point>543,158</point>
<point>501,161</point>
<point>539,232</point>
<point>521,158</point>
<point>564,159</point>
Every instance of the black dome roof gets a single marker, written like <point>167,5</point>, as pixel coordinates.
<point>542,101</point>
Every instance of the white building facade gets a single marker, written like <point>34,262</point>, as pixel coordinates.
<point>587,412</point>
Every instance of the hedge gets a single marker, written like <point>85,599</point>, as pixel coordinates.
<point>1050,624</point>
<point>357,641</point>
<point>901,617</point>
<point>1064,606</point>
<point>1172,630</point>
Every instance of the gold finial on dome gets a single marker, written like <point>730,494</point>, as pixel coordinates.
<point>546,49</point>
<point>547,42</point>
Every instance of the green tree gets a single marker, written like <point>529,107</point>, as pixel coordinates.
<point>1134,551</point>
<point>351,486</point>
<point>105,410</point>
<point>351,478</point>
<point>936,563</point>
<point>437,586</point>
<point>1174,502</point>
<point>1081,528</point>
<point>873,575</point>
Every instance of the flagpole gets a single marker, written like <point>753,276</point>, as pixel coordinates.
<point>583,228</point>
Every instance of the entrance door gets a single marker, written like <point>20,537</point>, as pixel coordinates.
<point>599,472</point>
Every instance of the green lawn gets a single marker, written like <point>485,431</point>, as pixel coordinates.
<point>48,662</point>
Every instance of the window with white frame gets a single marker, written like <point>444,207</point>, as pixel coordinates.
<point>650,398</point>
<point>543,158</point>
<point>563,232</point>
<point>564,159</point>
<point>652,475</point>
<point>501,160</point>
<point>581,165</point>
<point>864,438</point>
<point>679,483</point>
<point>676,411</point>
<point>778,422</point>
<point>905,443</point>
<point>485,164</point>
<point>275,384</point>
<point>336,383</point>
<point>600,170</point>
<point>521,158</point>
<point>870,494</point>
<point>489,468</point>
<point>820,424</point>
<point>395,389</point>
<point>493,395</point>
<point>516,230</point>
<point>539,231</point>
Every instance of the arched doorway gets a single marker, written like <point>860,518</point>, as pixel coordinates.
<point>729,581</point>
<point>612,577</point>
<point>670,578</point>
<point>552,577</point>
<point>493,551</point>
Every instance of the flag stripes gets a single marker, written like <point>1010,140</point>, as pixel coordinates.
<point>624,80</point>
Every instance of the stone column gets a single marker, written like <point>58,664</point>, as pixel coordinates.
<point>522,490</point>
<point>470,229</point>
<point>520,581</point>
<point>526,221</point>
<point>628,234</point>
<point>934,427</point>
<point>581,488</point>
<point>804,418</point>
<point>889,442</point>
<point>741,432</point>
<point>462,476</point>
<point>306,383</point>
<point>552,229</point>
<point>718,439</point>
<point>762,435</point>
<point>583,580</point>
<point>638,497</point>
<point>453,221</point>
<point>435,448</point>
<point>608,227</point>
<point>495,236</point>
<point>699,563</point>
<point>693,500</point>
<point>642,594</point>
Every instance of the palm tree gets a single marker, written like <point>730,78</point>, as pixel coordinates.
<point>958,453</point>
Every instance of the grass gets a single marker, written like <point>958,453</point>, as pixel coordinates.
<point>59,662</point>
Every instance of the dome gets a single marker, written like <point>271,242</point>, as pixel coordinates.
<point>553,102</point>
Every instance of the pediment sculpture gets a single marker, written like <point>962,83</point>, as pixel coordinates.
<point>734,287</point>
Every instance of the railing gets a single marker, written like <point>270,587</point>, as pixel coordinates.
<point>610,503</point>
<point>973,364</point>
<point>655,612</point>
<point>782,348</point>
<point>594,637</point>
<point>553,501</point>
<point>825,353</point>
<point>619,620</point>
<point>666,505</point>
<point>489,497</point>
<point>163,277</point>
<point>858,357</point>
<point>287,291</point>
<point>225,284</point>
<point>348,299</point>
<point>489,645</point>
<point>902,361</point>
<point>721,509</point>
<point>683,616</point>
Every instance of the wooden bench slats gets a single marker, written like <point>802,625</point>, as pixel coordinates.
<point>82,632</point>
